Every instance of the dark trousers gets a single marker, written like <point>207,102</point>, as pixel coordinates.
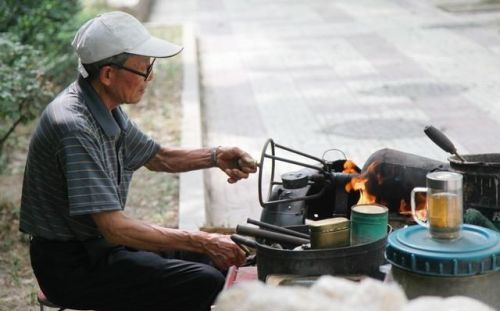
<point>118,278</point>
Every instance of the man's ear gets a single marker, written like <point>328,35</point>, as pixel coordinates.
<point>105,75</point>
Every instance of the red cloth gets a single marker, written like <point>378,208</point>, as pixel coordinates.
<point>237,275</point>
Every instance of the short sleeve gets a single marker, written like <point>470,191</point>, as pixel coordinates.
<point>91,188</point>
<point>139,147</point>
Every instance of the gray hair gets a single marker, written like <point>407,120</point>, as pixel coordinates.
<point>94,68</point>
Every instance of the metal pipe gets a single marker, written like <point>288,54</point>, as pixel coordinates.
<point>277,228</point>
<point>244,243</point>
<point>294,162</point>
<point>300,153</point>
<point>274,236</point>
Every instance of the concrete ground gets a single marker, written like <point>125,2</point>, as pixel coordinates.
<point>352,75</point>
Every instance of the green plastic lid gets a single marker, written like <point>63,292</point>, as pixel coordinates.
<point>477,251</point>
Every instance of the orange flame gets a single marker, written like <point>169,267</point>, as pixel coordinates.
<point>372,179</point>
<point>420,208</point>
<point>358,183</point>
<point>350,167</point>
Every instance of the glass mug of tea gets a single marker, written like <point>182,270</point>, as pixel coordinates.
<point>444,204</point>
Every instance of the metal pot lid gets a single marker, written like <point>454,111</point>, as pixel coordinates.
<point>484,159</point>
<point>477,251</point>
<point>329,225</point>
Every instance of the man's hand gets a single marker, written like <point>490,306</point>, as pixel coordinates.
<point>236,163</point>
<point>223,251</point>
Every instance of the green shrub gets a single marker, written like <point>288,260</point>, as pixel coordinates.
<point>37,59</point>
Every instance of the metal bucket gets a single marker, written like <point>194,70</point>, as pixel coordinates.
<point>481,183</point>
<point>468,266</point>
<point>368,223</point>
<point>481,286</point>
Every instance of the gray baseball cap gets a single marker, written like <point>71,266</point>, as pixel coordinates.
<point>114,33</point>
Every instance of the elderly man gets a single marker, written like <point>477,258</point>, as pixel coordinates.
<point>85,251</point>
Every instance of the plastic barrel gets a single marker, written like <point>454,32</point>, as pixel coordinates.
<point>368,223</point>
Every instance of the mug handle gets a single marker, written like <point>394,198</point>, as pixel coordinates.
<point>413,208</point>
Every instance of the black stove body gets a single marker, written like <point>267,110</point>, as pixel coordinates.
<point>319,191</point>
<point>313,192</point>
<point>325,195</point>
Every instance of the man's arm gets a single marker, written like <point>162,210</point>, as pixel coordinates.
<point>236,163</point>
<point>119,229</point>
<point>176,160</point>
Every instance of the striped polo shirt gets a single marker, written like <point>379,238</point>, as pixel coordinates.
<point>81,160</point>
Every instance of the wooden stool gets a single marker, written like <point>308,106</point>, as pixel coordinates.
<point>43,301</point>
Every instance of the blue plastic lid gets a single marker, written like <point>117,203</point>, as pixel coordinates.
<point>477,251</point>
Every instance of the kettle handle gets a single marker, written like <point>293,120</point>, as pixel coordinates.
<point>440,139</point>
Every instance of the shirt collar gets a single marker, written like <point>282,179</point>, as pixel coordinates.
<point>112,122</point>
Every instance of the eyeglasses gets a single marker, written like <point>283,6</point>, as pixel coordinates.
<point>146,75</point>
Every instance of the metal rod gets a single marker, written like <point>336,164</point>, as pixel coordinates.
<point>270,143</point>
<point>273,236</point>
<point>279,229</point>
<point>243,242</point>
<point>300,153</point>
<point>306,197</point>
<point>261,168</point>
<point>293,162</point>
<point>273,167</point>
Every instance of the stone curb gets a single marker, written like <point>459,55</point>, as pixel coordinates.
<point>140,9</point>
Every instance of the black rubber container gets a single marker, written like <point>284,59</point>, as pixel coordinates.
<point>363,259</point>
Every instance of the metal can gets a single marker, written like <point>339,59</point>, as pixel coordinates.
<point>330,233</point>
<point>368,223</point>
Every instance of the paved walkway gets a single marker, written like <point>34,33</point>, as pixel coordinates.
<point>353,75</point>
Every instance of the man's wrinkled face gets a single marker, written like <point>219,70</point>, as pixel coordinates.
<point>129,86</point>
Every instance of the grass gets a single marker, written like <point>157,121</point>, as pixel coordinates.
<point>152,197</point>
